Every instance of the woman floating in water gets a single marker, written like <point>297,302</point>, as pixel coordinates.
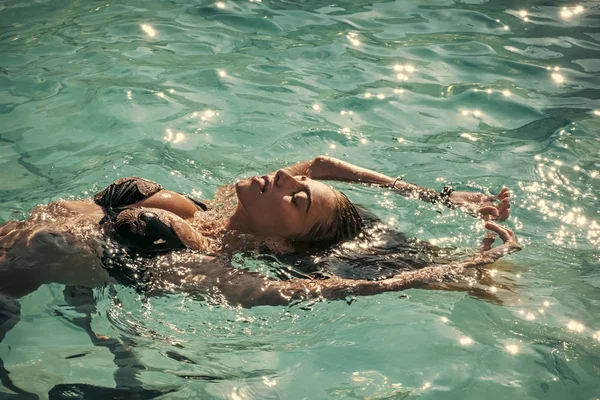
<point>137,233</point>
<point>282,212</point>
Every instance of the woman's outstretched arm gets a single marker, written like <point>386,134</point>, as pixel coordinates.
<point>329,168</point>
<point>480,205</point>
<point>250,289</point>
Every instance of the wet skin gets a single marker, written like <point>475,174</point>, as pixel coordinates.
<point>275,205</point>
<point>66,248</point>
<point>281,205</point>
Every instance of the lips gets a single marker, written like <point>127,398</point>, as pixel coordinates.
<point>264,183</point>
<point>267,183</point>
<point>258,182</point>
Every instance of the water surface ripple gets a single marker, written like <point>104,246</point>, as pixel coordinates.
<point>477,94</point>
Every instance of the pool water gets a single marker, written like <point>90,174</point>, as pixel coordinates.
<point>193,95</point>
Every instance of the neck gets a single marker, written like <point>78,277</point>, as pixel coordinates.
<point>238,221</point>
<point>209,226</point>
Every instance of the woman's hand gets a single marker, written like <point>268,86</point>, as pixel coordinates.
<point>482,206</point>
<point>487,254</point>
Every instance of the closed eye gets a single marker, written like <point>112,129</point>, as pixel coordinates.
<point>296,199</point>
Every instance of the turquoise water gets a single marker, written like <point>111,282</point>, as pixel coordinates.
<point>197,94</point>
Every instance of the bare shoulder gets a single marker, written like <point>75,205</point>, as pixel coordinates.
<point>76,206</point>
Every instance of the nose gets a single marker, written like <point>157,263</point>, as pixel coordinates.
<point>284,179</point>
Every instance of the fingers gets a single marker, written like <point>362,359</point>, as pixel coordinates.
<point>505,234</point>
<point>500,212</point>
<point>504,209</point>
<point>488,211</point>
<point>488,240</point>
<point>485,207</point>
<point>508,237</point>
<point>504,194</point>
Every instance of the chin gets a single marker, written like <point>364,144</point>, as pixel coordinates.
<point>242,189</point>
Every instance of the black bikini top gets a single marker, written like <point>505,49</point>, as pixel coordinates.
<point>136,228</point>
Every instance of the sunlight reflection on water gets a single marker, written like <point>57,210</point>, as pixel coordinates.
<point>197,95</point>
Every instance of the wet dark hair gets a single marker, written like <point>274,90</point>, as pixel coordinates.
<point>343,224</point>
<point>377,251</point>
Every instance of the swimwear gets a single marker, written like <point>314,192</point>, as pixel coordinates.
<point>126,191</point>
<point>137,228</point>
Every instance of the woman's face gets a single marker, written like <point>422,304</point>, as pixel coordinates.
<point>282,205</point>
